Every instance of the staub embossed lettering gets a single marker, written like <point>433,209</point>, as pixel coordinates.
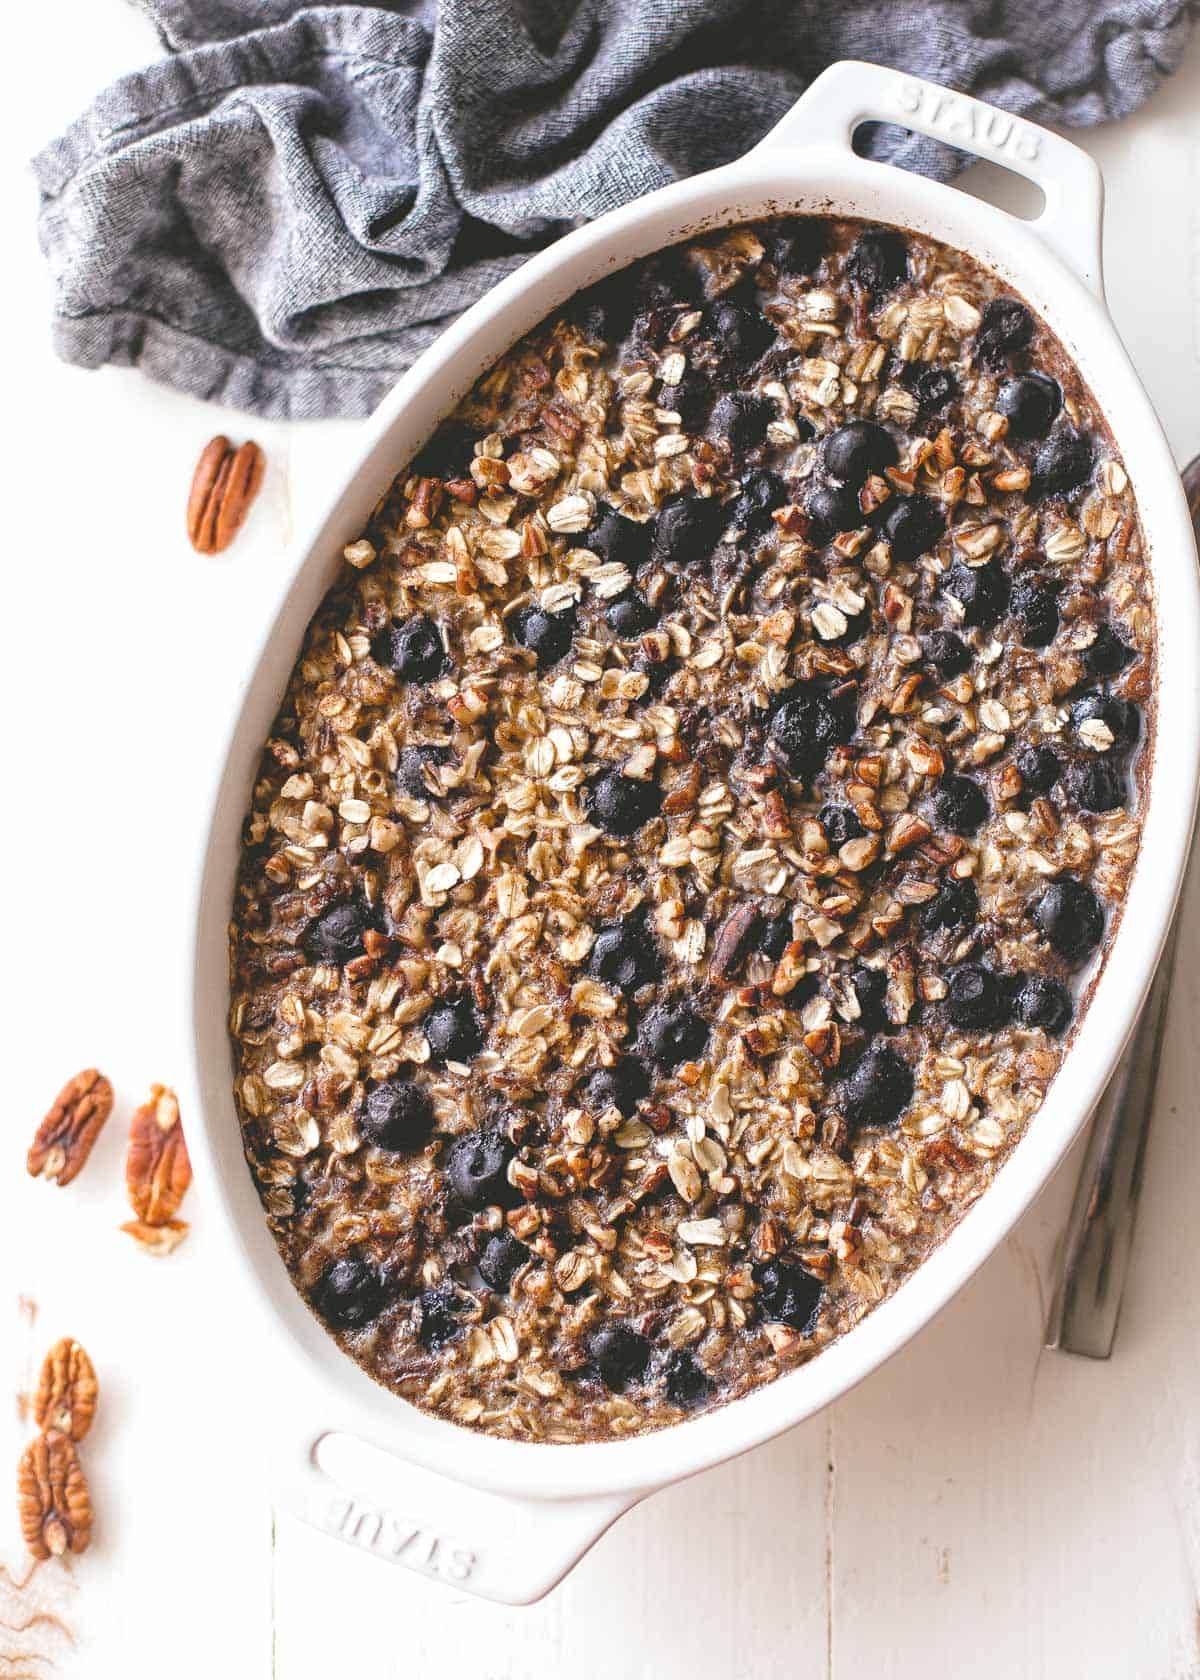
<point>963,119</point>
<point>398,1540</point>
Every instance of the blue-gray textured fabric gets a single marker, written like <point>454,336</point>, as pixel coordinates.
<point>287,208</point>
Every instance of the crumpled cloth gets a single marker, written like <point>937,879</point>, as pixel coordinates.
<point>285,210</point>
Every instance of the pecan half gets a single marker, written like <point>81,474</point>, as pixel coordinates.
<point>65,1137</point>
<point>224,484</point>
<point>53,1501</point>
<point>66,1391</point>
<point>157,1169</point>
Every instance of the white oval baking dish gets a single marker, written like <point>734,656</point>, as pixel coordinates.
<point>506,1520</point>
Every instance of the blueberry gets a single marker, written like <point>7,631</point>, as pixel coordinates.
<point>831,508</point>
<point>336,935</point>
<point>686,1381</point>
<point>604,312</point>
<point>623,1086</point>
<point>502,1257</point>
<point>807,727</point>
<point>788,1295</point>
<point>397,1115</point>
<point>935,388</point>
<point>840,823</point>
<point>1095,785</point>
<point>1034,606</point>
<point>692,399</point>
<point>761,493</point>
<point>441,1315</point>
<point>1107,654</point>
<point>448,453</point>
<point>947,653</point>
<point>1120,717</point>
<point>548,635</point>
<point>869,986</point>
<point>742,418</point>
<point>955,906</point>
<point>476,1168</point>
<point>629,615</point>
<point>981,590</point>
<point>797,245</point>
<point>454,1031</point>
<point>619,1354</point>
<point>621,804</point>
<point>879,260</point>
<point>1006,329</point>
<point>625,957</point>
<point>959,804</point>
<point>773,935</point>
<point>1062,463</point>
<point>349,1293</point>
<point>912,525</point>
<point>688,528</point>
<point>624,542</point>
<point>879,1089</point>
<point>1030,403</point>
<point>413,649</point>
<point>1040,768</point>
<point>410,768</point>
<point>673,1033</point>
<point>1045,1003</point>
<point>856,450</point>
<point>975,998</point>
<point>741,335</point>
<point>1070,917</point>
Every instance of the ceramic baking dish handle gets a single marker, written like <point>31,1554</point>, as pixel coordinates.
<point>493,1545</point>
<point>851,93</point>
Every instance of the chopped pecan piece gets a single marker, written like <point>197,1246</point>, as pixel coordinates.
<point>225,483</point>
<point>67,1391</point>
<point>65,1137</point>
<point>157,1169</point>
<point>53,1501</point>
<point>157,1240</point>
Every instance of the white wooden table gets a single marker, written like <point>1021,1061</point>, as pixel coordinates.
<point>978,1508</point>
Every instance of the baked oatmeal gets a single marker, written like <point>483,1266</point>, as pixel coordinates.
<point>691,829</point>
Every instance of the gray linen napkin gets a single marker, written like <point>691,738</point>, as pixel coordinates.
<point>285,211</point>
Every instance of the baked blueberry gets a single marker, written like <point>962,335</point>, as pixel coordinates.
<point>976,998</point>
<point>1121,718</point>
<point>604,312</point>
<point>807,726</point>
<point>840,824</point>
<point>502,1257</point>
<point>1095,785</point>
<point>1070,918</point>
<point>448,454</point>
<point>1107,654</point>
<point>413,649</point>
<point>688,528</point>
<point>630,615</point>
<point>1042,1002</point>
<point>869,986</point>
<point>685,1380</point>
<point>935,388</point>
<point>349,1293</point>
<point>831,508</point>
<point>476,1168</point>
<point>692,399</point>
<point>982,591</point>
<point>956,905</point>
<point>773,935</point>
<point>798,246</point>
<point>548,635</point>
<point>1040,767</point>
<point>879,1089</point>
<point>625,542</point>
<point>741,335</point>
<point>947,653</point>
<point>673,1033</point>
<point>410,768</point>
<point>1062,464</point>
<point>441,1315</point>
<point>620,805</point>
<point>336,935</point>
<point>453,1030</point>
<point>625,956</point>
<point>879,261</point>
<point>1030,403</point>
<point>912,525</point>
<point>762,492</point>
<point>1005,330</point>
<point>742,419</point>
<point>959,804</point>
<point>623,1086</point>
<point>787,1294</point>
<point>856,450</point>
<point>397,1115</point>
<point>619,1354</point>
<point>1034,606</point>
